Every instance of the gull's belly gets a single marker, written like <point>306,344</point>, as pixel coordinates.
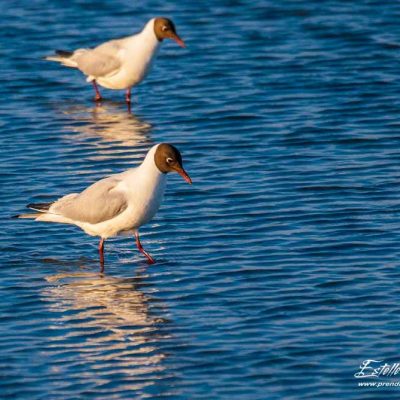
<point>132,218</point>
<point>130,74</point>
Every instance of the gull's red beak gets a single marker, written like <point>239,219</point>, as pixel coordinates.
<point>184,175</point>
<point>178,40</point>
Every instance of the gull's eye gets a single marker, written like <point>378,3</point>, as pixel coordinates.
<point>170,160</point>
<point>164,28</point>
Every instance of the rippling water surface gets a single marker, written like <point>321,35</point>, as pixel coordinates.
<point>277,270</point>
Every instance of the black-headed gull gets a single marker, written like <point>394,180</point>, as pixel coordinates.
<point>120,63</point>
<point>119,203</point>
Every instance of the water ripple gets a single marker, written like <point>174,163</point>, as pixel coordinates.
<point>276,273</point>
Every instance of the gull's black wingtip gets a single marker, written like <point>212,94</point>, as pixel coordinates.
<point>64,53</point>
<point>41,207</point>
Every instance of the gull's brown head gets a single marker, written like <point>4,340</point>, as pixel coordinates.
<point>164,28</point>
<point>168,159</point>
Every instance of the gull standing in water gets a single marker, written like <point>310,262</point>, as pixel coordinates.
<point>120,63</point>
<point>120,203</point>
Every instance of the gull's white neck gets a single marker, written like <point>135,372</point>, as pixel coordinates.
<point>146,185</point>
<point>146,39</point>
<point>147,178</point>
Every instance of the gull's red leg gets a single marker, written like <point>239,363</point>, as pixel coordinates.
<point>128,99</point>
<point>128,95</point>
<point>101,254</point>
<point>150,259</point>
<point>96,89</point>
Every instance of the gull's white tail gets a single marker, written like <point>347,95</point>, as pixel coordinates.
<point>28,216</point>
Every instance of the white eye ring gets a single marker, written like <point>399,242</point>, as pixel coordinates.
<point>164,28</point>
<point>169,160</point>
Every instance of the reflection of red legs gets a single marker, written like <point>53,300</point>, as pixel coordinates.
<point>150,259</point>
<point>101,254</point>
<point>96,89</point>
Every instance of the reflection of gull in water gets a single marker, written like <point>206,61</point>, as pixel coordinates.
<point>108,122</point>
<point>118,297</point>
<point>110,318</point>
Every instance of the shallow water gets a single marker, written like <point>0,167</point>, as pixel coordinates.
<point>277,269</point>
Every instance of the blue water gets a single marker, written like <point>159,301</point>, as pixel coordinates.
<point>277,269</point>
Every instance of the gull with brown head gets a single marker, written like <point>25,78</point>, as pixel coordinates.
<point>120,63</point>
<point>119,203</point>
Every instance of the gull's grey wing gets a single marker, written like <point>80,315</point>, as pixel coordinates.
<point>102,61</point>
<point>100,202</point>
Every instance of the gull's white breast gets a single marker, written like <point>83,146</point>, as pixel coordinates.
<point>137,54</point>
<point>144,187</point>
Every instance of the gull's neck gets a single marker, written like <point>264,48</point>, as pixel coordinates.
<point>148,29</point>
<point>149,163</point>
<point>146,37</point>
<point>147,176</point>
